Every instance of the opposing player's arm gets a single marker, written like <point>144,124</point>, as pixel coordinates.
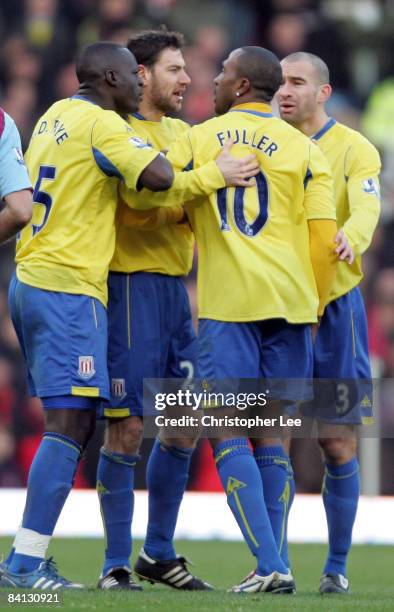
<point>118,151</point>
<point>362,168</point>
<point>15,214</point>
<point>189,182</point>
<point>321,215</point>
<point>15,187</point>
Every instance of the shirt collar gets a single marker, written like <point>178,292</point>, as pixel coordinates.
<point>261,109</point>
<point>327,126</point>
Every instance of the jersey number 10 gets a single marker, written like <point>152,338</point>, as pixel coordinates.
<point>249,229</point>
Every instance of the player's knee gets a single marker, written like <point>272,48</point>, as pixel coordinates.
<point>184,442</point>
<point>338,450</point>
<point>124,435</point>
<point>79,425</point>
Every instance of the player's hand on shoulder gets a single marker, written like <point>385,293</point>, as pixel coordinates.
<point>237,172</point>
<point>343,249</point>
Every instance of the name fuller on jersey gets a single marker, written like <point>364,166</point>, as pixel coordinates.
<point>57,129</point>
<point>246,137</point>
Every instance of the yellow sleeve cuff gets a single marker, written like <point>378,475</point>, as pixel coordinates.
<point>323,257</point>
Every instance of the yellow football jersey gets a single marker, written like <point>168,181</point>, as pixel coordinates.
<point>253,244</point>
<point>355,166</point>
<point>77,155</point>
<point>167,249</point>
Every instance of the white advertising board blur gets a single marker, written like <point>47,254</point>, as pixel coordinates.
<point>206,516</point>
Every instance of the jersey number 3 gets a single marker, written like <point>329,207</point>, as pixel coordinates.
<point>247,228</point>
<point>41,197</point>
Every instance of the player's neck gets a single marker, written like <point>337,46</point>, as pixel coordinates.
<point>106,102</point>
<point>314,124</point>
<point>150,112</point>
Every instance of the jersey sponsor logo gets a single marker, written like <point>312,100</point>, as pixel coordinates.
<point>86,367</point>
<point>371,186</point>
<point>118,388</point>
<point>19,156</point>
<point>366,402</point>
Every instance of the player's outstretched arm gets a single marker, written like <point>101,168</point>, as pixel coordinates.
<point>151,219</point>
<point>190,183</point>
<point>15,214</point>
<point>157,176</point>
<point>236,172</point>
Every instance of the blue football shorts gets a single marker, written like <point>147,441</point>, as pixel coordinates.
<point>273,350</point>
<point>151,335</point>
<point>64,341</point>
<point>343,387</point>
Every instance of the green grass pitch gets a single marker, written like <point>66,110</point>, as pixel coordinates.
<point>223,564</point>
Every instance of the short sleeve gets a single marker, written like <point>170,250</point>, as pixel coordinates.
<point>13,172</point>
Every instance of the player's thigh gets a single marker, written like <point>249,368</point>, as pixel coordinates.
<point>15,307</point>
<point>64,341</point>
<point>228,350</point>
<point>182,353</point>
<point>343,388</point>
<point>287,359</point>
<point>229,360</point>
<point>181,363</point>
<point>135,344</point>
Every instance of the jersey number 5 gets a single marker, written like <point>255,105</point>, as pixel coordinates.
<point>41,197</point>
<point>249,229</point>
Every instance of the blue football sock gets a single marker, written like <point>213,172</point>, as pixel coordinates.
<point>166,476</point>
<point>50,480</point>
<point>278,482</point>
<point>115,486</point>
<point>341,490</point>
<point>243,485</point>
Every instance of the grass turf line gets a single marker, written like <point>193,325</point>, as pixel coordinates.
<point>223,564</point>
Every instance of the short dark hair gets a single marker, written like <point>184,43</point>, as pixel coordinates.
<point>96,58</point>
<point>148,44</point>
<point>263,70</point>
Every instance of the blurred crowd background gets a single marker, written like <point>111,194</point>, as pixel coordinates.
<point>39,41</point>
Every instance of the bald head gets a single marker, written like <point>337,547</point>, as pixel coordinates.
<point>320,68</point>
<point>96,59</point>
<point>304,92</point>
<point>108,76</point>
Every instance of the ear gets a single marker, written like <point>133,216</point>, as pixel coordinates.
<point>111,77</point>
<point>144,73</point>
<point>324,93</point>
<point>242,86</point>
